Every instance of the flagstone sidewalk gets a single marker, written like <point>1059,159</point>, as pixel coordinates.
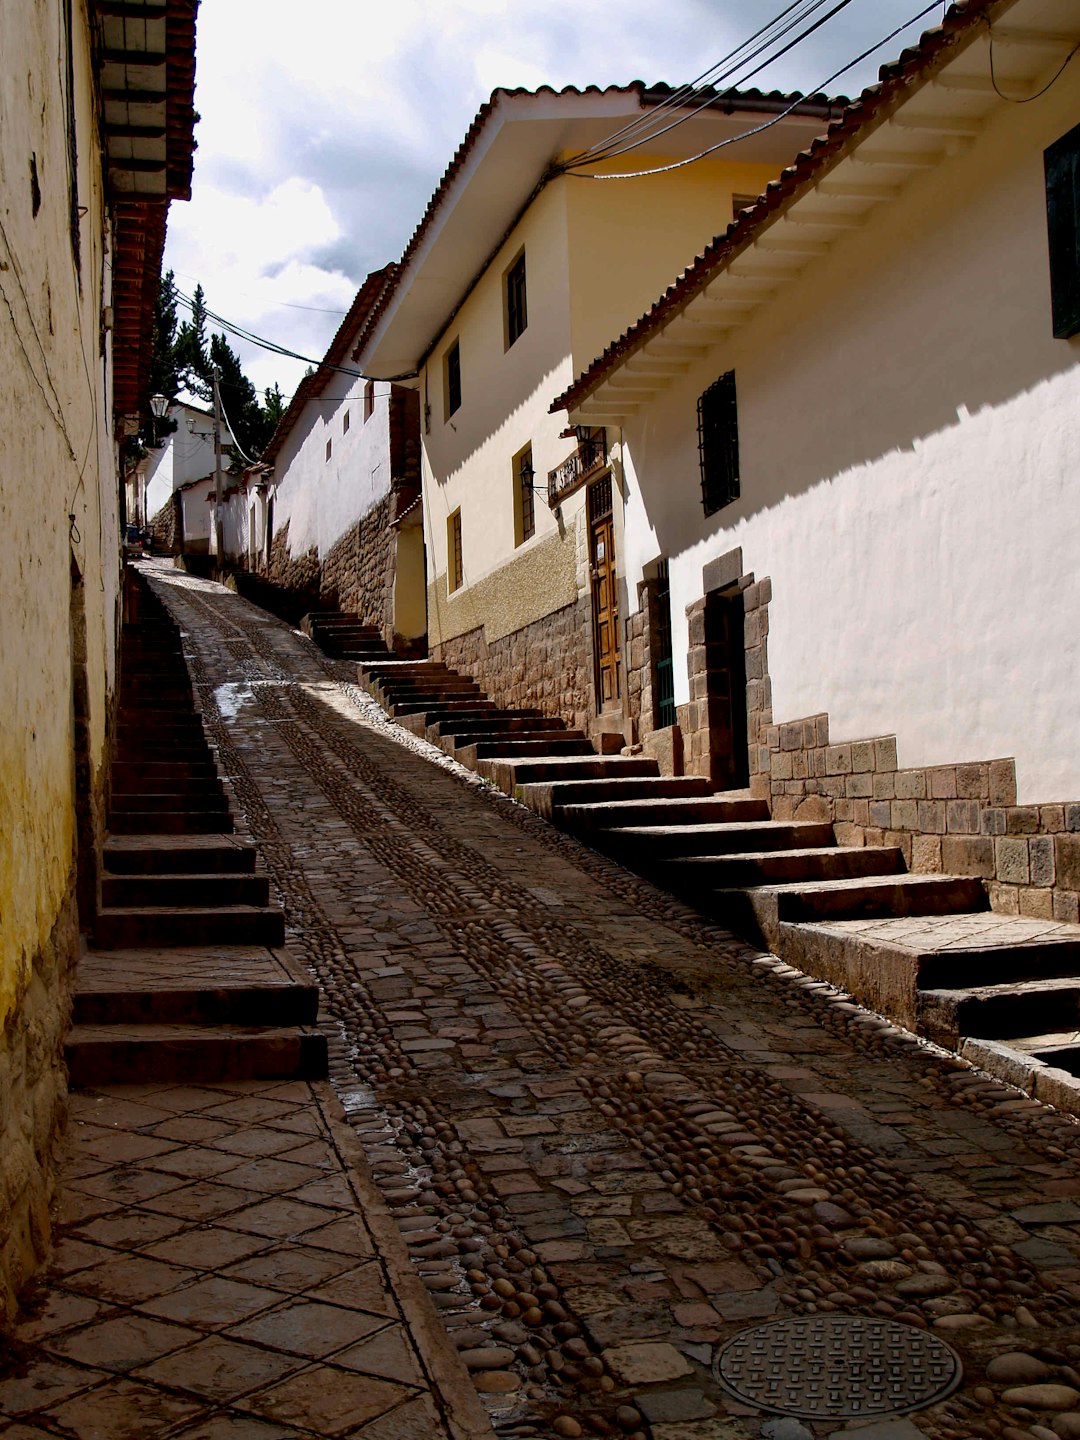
<point>227,1268</point>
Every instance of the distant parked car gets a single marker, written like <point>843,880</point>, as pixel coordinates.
<point>133,543</point>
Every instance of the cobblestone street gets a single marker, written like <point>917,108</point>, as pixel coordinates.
<point>613,1136</point>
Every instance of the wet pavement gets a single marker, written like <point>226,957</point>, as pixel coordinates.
<point>612,1137</point>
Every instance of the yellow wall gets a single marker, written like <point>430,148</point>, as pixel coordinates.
<point>629,239</point>
<point>56,458</point>
<point>597,254</point>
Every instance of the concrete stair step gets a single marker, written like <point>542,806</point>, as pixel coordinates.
<point>201,798</point>
<point>135,927</point>
<point>180,854</point>
<point>135,891</point>
<point>501,722</point>
<point>550,798</point>
<point>656,842</point>
<point>891,963</point>
<point>208,985</point>
<point>1041,1010</point>
<point>672,809</point>
<point>696,873</point>
<point>134,1054</point>
<point>170,822</point>
<point>508,775</point>
<point>517,747</point>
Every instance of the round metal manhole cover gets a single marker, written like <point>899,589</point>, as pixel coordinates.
<point>837,1367</point>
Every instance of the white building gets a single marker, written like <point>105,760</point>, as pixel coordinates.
<point>849,447</point>
<point>339,517</point>
<point>177,481</point>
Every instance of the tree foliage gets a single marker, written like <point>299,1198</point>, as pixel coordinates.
<point>184,358</point>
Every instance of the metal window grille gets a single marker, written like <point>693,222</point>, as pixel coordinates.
<point>525,479</point>
<point>1062,166</point>
<point>517,312</point>
<point>661,649</point>
<point>718,444</point>
<point>457,569</point>
<point>453,379</point>
<point>599,494</point>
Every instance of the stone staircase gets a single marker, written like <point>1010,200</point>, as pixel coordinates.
<point>922,949</point>
<point>185,976</point>
<point>343,636</point>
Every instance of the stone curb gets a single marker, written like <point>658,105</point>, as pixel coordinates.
<point>449,1378</point>
<point>1037,1079</point>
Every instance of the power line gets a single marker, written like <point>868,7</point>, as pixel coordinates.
<point>756,129</point>
<point>606,150</point>
<point>686,93</point>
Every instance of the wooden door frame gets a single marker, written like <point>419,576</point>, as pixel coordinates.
<point>593,518</point>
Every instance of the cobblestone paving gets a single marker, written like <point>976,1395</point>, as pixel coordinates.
<point>613,1136</point>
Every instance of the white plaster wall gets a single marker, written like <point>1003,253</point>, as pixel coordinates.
<point>187,454</point>
<point>910,446</point>
<point>321,499</point>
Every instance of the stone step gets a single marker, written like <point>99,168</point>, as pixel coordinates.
<point>593,815</point>
<point>891,895</point>
<point>655,842</point>
<point>132,891</point>
<point>508,775</point>
<point>192,1054</point>
<point>208,985</point>
<point>126,928</point>
<point>1056,1048</point>
<point>518,747</point>
<point>416,705</point>
<point>201,797</point>
<point>551,798</point>
<point>181,854</point>
<point>889,963</point>
<point>428,670</point>
<point>1028,1008</point>
<point>171,822</point>
<point>500,722</point>
<point>419,722</point>
<point>133,753</point>
<point>399,691</point>
<point>135,724</point>
<point>695,874</point>
<point>159,775</point>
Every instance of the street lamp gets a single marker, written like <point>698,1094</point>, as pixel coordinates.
<point>158,404</point>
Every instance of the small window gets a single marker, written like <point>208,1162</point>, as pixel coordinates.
<point>369,400</point>
<point>455,570</point>
<point>517,310</point>
<point>524,508</point>
<point>329,448</point>
<point>345,423</point>
<point>1062,164</point>
<point>718,444</point>
<point>453,379</point>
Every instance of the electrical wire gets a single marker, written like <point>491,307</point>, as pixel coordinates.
<point>756,129</point>
<point>707,80</point>
<point>232,432</point>
<point>1027,99</point>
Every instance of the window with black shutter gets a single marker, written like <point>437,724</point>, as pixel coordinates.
<point>453,380</point>
<point>718,444</point>
<point>1062,163</point>
<point>517,310</point>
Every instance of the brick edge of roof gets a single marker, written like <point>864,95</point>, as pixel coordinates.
<point>841,136</point>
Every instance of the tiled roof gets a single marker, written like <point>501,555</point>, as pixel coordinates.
<point>727,102</point>
<point>336,354</point>
<point>896,81</point>
<point>139,224</point>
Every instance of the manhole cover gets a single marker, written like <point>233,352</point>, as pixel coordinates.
<point>842,1367</point>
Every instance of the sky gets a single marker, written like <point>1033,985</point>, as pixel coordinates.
<point>326,125</point>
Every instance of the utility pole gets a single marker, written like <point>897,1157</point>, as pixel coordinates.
<point>219,527</point>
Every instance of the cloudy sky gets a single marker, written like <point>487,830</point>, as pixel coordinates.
<point>326,125</point>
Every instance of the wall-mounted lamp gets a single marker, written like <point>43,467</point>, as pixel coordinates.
<point>158,405</point>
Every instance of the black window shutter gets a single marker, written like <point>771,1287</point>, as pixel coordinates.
<point>718,444</point>
<point>1062,161</point>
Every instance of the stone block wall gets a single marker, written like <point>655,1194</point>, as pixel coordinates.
<point>293,572</point>
<point>33,1106</point>
<point>546,665</point>
<point>958,819</point>
<point>357,572</point>
<point>165,526</point>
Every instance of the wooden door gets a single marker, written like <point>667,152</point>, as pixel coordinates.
<point>725,661</point>
<point>605,596</point>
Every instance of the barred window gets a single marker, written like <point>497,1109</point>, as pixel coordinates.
<point>718,444</point>
<point>517,310</point>
<point>455,569</point>
<point>524,509</point>
<point>1062,165</point>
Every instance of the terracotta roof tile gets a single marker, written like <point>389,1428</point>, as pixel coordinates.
<point>896,80</point>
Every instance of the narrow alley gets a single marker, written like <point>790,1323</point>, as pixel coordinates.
<point>612,1136</point>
